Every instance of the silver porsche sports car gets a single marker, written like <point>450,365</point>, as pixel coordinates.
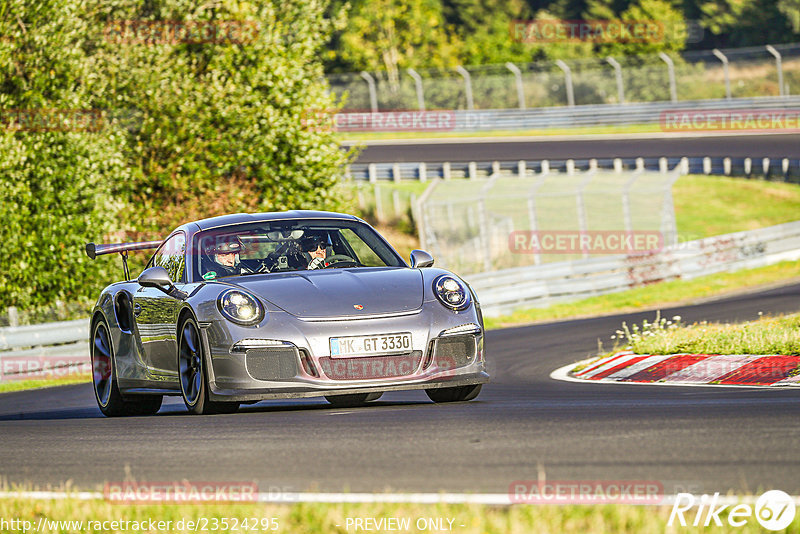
<point>241,308</point>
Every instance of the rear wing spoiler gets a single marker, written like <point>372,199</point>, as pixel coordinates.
<point>93,250</point>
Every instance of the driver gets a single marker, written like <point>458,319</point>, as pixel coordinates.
<point>315,252</point>
<point>225,256</point>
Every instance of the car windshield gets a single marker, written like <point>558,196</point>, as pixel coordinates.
<point>284,246</point>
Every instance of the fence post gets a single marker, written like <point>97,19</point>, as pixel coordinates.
<point>373,93</point>
<point>446,173</point>
<point>13,316</point>
<point>378,203</point>
<point>618,74</point>
<point>418,83</point>
<point>626,201</point>
<point>421,216</point>
<point>518,75</point>
<point>673,91</point>
<point>423,172</point>
<point>473,170</point>
<point>372,172</point>
<point>521,168</point>
<point>582,223</point>
<point>398,210</point>
<point>396,172</point>
<point>567,81</point>
<point>467,86</point>
<point>779,65</point>
<point>724,60</point>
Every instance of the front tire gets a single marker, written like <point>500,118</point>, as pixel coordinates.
<point>193,374</point>
<point>104,379</point>
<point>456,394</point>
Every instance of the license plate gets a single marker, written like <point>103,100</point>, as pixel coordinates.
<point>346,347</point>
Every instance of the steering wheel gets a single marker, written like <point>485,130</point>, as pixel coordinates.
<point>337,260</point>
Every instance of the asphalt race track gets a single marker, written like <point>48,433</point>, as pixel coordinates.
<point>697,439</point>
<point>755,146</point>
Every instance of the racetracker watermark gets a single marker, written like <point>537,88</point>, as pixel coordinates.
<point>51,120</point>
<point>383,366</point>
<point>385,121</point>
<point>604,31</point>
<point>774,510</point>
<point>155,32</point>
<point>764,120</point>
<point>36,367</point>
<point>586,492</point>
<point>589,242</point>
<point>181,492</point>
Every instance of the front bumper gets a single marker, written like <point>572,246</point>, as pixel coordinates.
<point>299,364</point>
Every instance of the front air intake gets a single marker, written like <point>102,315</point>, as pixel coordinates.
<point>272,363</point>
<point>454,351</point>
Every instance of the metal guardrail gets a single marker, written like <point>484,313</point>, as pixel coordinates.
<point>502,292</point>
<point>786,169</point>
<point>44,350</point>
<point>564,116</point>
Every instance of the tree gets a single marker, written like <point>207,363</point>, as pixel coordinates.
<point>392,35</point>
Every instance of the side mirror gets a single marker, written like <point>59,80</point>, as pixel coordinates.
<point>155,277</point>
<point>158,277</point>
<point>420,259</point>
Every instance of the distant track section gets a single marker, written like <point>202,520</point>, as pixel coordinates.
<point>487,149</point>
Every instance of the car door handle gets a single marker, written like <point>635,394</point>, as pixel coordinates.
<point>137,309</point>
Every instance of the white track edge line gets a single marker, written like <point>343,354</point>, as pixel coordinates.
<point>501,499</point>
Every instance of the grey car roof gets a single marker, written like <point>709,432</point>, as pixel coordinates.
<point>239,218</point>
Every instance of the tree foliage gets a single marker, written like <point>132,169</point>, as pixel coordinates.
<point>187,127</point>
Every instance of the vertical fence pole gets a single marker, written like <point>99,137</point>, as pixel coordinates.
<point>618,74</point>
<point>396,204</point>
<point>626,201</point>
<point>567,81</point>
<point>779,65</point>
<point>378,203</point>
<point>673,91</point>
<point>583,224</point>
<point>518,75</point>
<point>13,316</point>
<point>373,93</point>
<point>725,73</point>
<point>467,86</point>
<point>418,83</point>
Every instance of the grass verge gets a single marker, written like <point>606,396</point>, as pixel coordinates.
<point>333,518</point>
<point>661,295</point>
<point>766,335</point>
<point>19,385</point>
<point>594,130</point>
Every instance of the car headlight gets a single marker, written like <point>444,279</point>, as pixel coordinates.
<point>240,307</point>
<point>451,292</point>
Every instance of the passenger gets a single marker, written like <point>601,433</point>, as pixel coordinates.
<point>315,251</point>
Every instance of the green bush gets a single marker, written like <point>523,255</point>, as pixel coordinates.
<point>57,189</point>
